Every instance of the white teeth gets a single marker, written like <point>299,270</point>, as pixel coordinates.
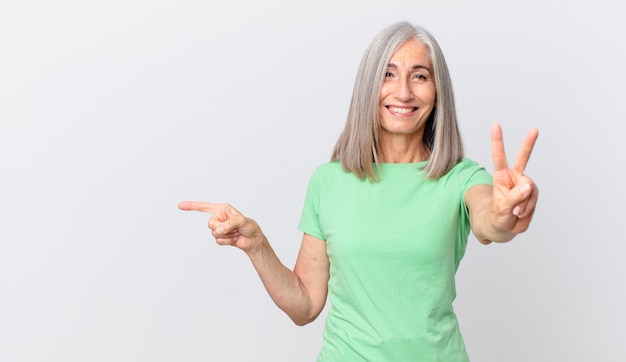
<point>401,110</point>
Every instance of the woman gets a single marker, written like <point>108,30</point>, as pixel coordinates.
<point>386,221</point>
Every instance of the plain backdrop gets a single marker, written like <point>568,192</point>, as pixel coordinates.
<point>111,112</point>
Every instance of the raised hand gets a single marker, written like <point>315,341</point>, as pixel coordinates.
<point>514,194</point>
<point>228,225</point>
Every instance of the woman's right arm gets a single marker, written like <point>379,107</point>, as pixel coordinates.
<point>300,293</point>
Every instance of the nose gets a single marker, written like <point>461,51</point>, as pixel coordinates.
<point>403,91</point>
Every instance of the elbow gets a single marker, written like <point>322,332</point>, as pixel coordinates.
<point>302,321</point>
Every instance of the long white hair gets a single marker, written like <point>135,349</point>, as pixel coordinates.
<point>357,146</point>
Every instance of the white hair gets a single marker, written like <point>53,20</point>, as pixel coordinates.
<point>357,145</point>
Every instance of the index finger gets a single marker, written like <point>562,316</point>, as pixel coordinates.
<point>197,206</point>
<point>497,148</point>
<point>527,148</point>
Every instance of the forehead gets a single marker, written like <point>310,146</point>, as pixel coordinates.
<point>411,52</point>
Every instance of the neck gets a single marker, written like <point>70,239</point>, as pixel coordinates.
<point>402,149</point>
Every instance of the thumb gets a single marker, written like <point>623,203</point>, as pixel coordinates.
<point>517,197</point>
<point>232,224</point>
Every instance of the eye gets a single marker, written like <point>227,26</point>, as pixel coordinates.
<point>388,74</point>
<point>420,77</point>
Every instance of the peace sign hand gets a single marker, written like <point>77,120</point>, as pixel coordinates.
<point>229,226</point>
<point>514,194</point>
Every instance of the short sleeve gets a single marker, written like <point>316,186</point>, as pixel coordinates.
<point>472,174</point>
<point>309,220</point>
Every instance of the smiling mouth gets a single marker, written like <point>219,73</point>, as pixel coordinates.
<point>402,110</point>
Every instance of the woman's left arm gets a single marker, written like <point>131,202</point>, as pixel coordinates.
<point>499,212</point>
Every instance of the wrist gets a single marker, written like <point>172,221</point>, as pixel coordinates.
<point>257,248</point>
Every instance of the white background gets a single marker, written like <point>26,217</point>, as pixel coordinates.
<point>113,112</point>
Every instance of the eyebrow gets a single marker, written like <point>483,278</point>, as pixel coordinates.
<point>415,67</point>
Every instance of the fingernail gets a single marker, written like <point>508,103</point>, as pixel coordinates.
<point>517,211</point>
<point>219,230</point>
<point>525,188</point>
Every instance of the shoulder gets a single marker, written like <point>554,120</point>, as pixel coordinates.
<point>469,173</point>
<point>331,175</point>
<point>466,163</point>
<point>329,169</point>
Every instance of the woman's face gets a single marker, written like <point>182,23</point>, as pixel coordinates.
<point>408,94</point>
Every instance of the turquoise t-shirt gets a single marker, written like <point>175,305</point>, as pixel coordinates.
<point>394,247</point>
